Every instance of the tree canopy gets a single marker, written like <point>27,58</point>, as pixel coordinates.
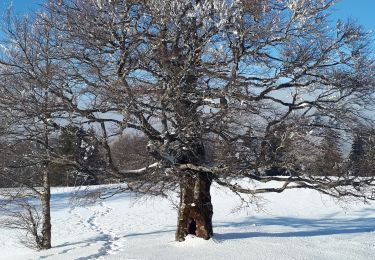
<point>222,90</point>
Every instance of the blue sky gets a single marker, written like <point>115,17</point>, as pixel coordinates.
<point>20,6</point>
<point>361,10</point>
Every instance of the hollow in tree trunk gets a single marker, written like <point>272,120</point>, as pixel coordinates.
<point>195,210</point>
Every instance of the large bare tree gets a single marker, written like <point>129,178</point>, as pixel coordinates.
<point>222,90</point>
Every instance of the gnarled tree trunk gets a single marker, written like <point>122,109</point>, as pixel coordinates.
<point>195,210</point>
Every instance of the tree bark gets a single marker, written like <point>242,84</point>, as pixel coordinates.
<point>195,210</point>
<point>45,242</point>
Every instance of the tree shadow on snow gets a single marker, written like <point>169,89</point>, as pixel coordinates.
<point>68,247</point>
<point>106,248</point>
<point>157,232</point>
<point>299,227</point>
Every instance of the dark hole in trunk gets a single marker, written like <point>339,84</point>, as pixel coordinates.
<point>192,227</point>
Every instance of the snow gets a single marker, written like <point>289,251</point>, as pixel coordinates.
<point>154,165</point>
<point>212,101</point>
<point>298,224</point>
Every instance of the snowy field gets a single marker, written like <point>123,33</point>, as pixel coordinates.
<point>298,224</point>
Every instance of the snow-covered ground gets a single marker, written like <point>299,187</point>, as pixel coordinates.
<point>299,224</point>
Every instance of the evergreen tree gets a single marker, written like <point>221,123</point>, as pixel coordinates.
<point>274,149</point>
<point>370,153</point>
<point>90,158</point>
<point>80,159</point>
<point>356,155</point>
<point>362,154</point>
<point>329,160</point>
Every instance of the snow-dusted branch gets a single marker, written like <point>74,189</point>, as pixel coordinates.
<point>141,170</point>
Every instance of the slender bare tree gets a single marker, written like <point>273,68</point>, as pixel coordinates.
<point>31,103</point>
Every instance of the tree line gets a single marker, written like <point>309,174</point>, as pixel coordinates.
<point>129,152</point>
